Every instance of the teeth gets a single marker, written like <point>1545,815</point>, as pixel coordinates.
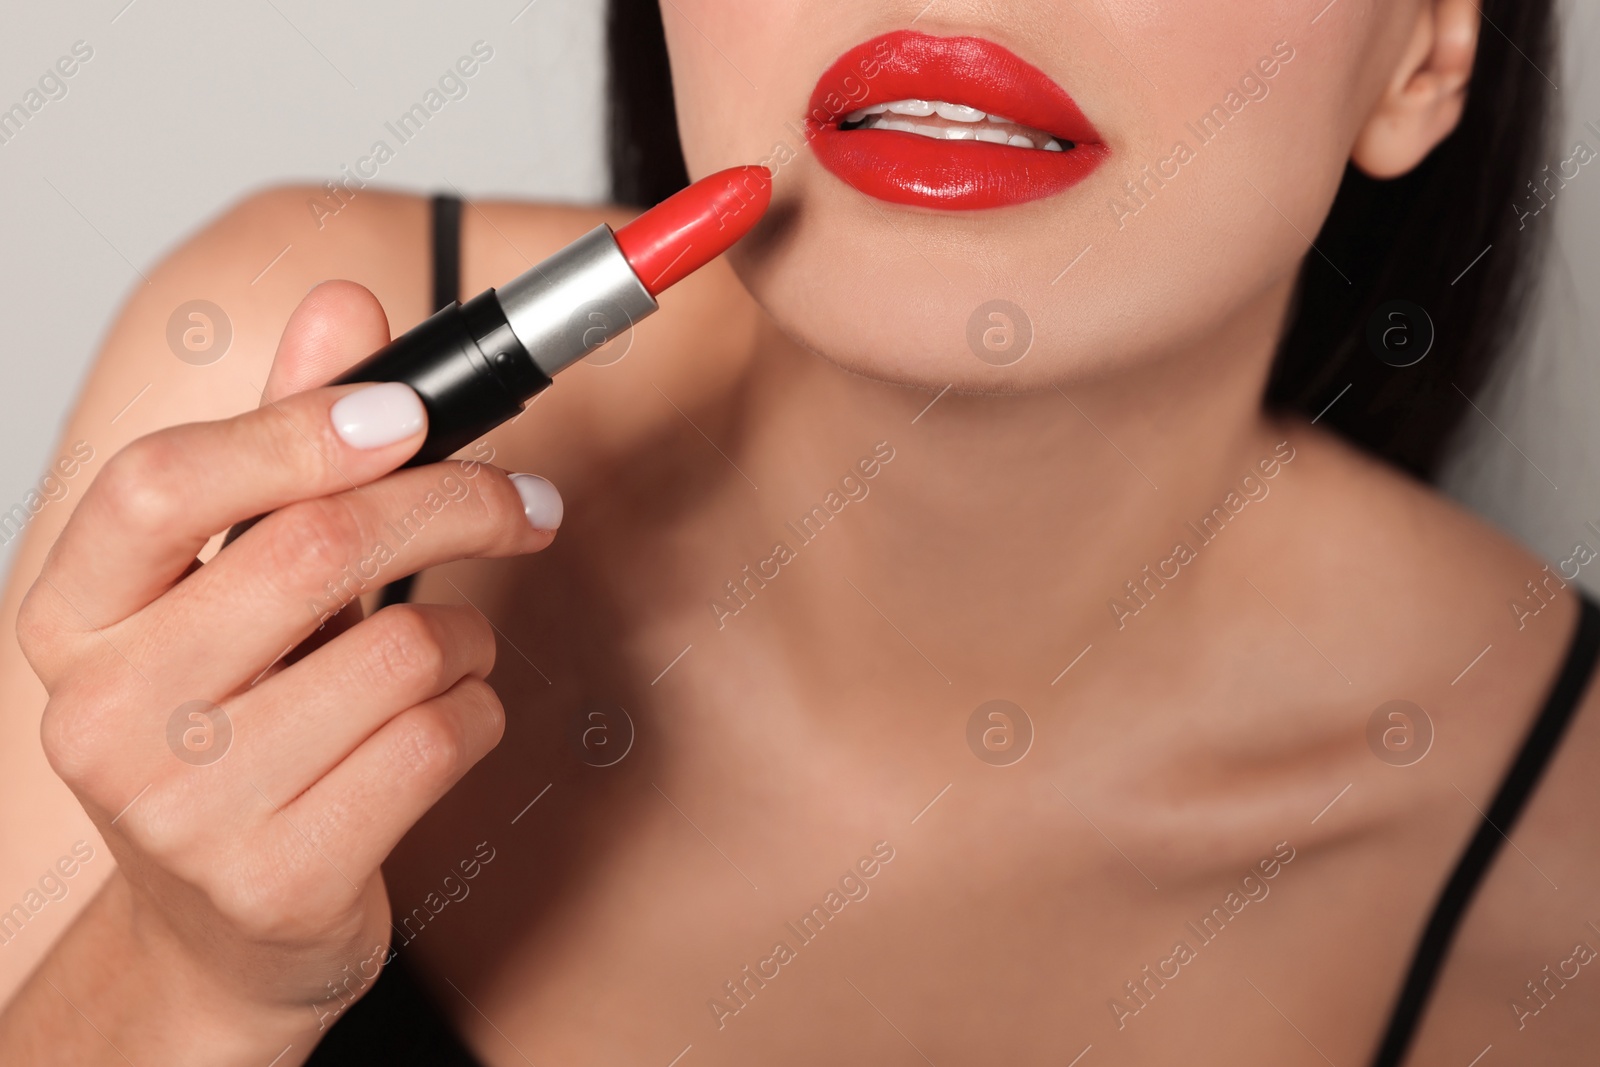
<point>921,109</point>
<point>976,125</point>
<point>958,112</point>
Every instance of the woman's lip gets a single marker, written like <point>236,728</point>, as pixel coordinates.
<point>907,168</point>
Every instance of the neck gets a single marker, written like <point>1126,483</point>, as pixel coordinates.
<point>1003,526</point>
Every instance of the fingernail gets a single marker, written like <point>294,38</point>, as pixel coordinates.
<point>540,501</point>
<point>379,415</point>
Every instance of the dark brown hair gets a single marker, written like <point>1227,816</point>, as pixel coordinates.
<point>1417,239</point>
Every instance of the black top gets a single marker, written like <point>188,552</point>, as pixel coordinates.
<point>396,1025</point>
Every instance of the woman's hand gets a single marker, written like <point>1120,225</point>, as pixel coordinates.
<point>249,839</point>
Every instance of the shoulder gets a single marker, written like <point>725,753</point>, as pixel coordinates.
<point>236,280</point>
<point>1378,596</point>
<point>1481,632</point>
<point>1416,598</point>
<point>1418,572</point>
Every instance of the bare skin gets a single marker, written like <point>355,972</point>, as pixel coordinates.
<point>778,747</point>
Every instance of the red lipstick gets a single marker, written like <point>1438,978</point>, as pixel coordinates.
<point>676,237</point>
<point>968,174</point>
<point>475,364</point>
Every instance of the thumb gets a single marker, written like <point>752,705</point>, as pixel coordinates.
<point>336,326</point>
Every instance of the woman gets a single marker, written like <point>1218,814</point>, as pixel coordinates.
<point>938,435</point>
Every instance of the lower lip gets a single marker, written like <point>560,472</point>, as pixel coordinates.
<point>907,168</point>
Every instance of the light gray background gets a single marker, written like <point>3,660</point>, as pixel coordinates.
<point>188,104</point>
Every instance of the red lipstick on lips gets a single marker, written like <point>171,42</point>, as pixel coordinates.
<point>959,175</point>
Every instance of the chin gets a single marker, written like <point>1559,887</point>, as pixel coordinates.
<point>990,302</point>
<point>911,241</point>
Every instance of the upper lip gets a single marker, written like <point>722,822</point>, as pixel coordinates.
<point>956,70</point>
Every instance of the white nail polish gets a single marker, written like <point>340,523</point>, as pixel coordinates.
<point>540,501</point>
<point>379,415</point>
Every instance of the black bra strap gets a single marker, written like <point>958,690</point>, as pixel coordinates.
<point>446,243</point>
<point>1498,823</point>
<point>446,250</point>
